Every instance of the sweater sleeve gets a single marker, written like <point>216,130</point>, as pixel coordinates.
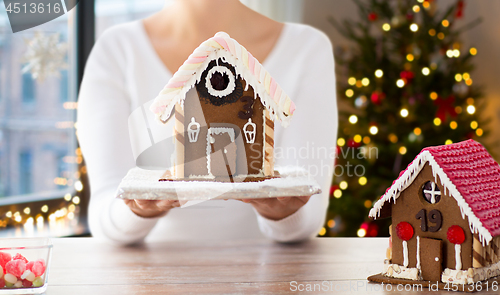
<point>310,140</point>
<point>103,110</point>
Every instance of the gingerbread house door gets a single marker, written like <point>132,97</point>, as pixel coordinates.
<point>221,149</point>
<point>431,259</point>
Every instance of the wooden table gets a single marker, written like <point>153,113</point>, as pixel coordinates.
<point>337,265</point>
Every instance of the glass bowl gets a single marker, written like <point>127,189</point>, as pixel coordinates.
<point>25,265</point>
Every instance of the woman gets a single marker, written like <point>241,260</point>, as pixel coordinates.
<point>131,63</point>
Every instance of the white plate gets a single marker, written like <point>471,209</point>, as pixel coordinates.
<point>144,184</point>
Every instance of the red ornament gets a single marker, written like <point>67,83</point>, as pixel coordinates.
<point>372,16</point>
<point>460,9</point>
<point>407,75</point>
<point>404,230</point>
<point>445,106</point>
<point>353,144</point>
<point>455,234</point>
<point>377,97</point>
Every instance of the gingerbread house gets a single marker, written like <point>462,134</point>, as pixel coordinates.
<point>445,210</point>
<point>224,104</point>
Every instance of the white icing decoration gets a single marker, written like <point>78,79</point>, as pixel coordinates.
<point>409,176</point>
<point>405,254</point>
<point>471,275</point>
<point>418,252</point>
<point>170,97</point>
<point>433,192</point>
<point>458,258</point>
<point>250,134</point>
<point>401,272</point>
<point>230,87</point>
<point>193,133</point>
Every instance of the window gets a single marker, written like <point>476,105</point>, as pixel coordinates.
<point>25,178</point>
<point>63,86</point>
<point>28,88</point>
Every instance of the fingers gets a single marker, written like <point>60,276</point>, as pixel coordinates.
<point>160,205</point>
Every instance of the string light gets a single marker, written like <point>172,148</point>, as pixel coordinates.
<point>322,232</point>
<point>361,232</point>
<point>410,57</point>
<point>27,210</point>
<point>445,23</point>
<point>458,109</point>
<point>426,4</point>
<point>349,93</point>
<point>416,8</point>
<point>432,32</point>
<point>449,53</point>
<point>404,113</point>
<point>400,83</point>
<point>373,130</point>
<point>437,121</point>
<point>433,95</point>
<point>474,124</point>
<point>441,36</point>
<point>471,109</point>
<point>470,100</point>
<point>379,73</point>
<point>44,208</point>
<point>365,82</point>
<point>351,81</point>
<point>479,132</point>
<point>414,27</point>
<point>402,150</point>
<point>393,138</point>
<point>386,27</point>
<point>340,141</point>
<point>426,71</point>
<point>456,53</point>
<point>343,185</point>
<point>8,214</point>
<point>473,51</point>
<point>448,141</point>
<point>453,125</point>
<point>458,77</point>
<point>362,181</point>
<point>468,82</point>
<point>353,119</point>
<point>420,1</point>
<point>78,186</point>
<point>368,204</point>
<point>366,140</point>
<point>337,194</point>
<point>357,138</point>
<point>466,76</point>
<point>67,197</point>
<point>359,84</point>
<point>76,200</point>
<point>331,223</point>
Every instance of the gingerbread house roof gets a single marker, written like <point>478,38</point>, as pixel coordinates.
<point>222,46</point>
<point>469,174</point>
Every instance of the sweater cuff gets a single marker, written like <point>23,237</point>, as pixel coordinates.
<point>288,229</point>
<point>127,222</point>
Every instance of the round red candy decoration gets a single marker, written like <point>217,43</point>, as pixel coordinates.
<point>455,234</point>
<point>404,230</point>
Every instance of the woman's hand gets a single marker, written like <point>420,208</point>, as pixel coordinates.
<point>151,208</point>
<point>277,208</point>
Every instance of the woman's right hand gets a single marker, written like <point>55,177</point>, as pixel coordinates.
<point>151,208</point>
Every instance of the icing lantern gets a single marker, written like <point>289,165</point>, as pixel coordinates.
<point>250,133</point>
<point>193,130</point>
<point>456,235</point>
<point>404,230</point>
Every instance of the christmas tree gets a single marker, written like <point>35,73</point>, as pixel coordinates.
<point>407,84</point>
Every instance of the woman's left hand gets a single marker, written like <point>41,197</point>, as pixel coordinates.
<point>277,208</point>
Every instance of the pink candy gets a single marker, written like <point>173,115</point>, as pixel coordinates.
<point>21,257</point>
<point>4,258</point>
<point>16,267</point>
<point>36,267</point>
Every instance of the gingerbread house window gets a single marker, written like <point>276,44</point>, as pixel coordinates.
<point>431,192</point>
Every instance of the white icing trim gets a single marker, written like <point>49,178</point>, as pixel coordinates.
<point>251,135</point>
<point>210,140</point>
<point>230,87</point>
<point>409,176</point>
<point>458,258</point>
<point>418,252</point>
<point>471,275</point>
<point>405,254</point>
<point>401,272</point>
<point>170,97</point>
